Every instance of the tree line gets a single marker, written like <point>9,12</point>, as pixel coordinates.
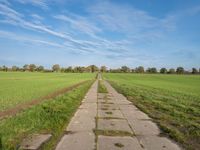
<point>93,68</point>
<point>55,68</point>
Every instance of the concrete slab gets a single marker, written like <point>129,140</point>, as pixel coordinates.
<point>113,124</point>
<point>110,113</point>
<point>101,95</point>
<point>128,107</point>
<point>144,127</point>
<point>118,143</point>
<point>106,101</point>
<point>108,106</point>
<point>125,102</point>
<point>157,143</point>
<point>88,106</point>
<point>135,114</point>
<point>86,112</point>
<point>34,142</point>
<point>77,141</point>
<point>81,123</point>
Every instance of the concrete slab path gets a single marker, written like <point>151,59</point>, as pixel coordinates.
<point>108,121</point>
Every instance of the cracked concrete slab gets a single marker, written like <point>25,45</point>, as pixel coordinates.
<point>118,143</point>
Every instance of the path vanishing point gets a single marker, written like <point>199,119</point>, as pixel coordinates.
<point>108,121</point>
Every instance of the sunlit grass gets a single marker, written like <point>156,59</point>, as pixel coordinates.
<point>19,87</point>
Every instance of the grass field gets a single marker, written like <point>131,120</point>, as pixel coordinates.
<point>173,101</point>
<point>47,117</point>
<point>19,87</point>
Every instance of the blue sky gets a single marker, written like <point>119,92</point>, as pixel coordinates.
<point>102,32</point>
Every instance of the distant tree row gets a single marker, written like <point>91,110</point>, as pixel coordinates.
<point>93,68</point>
<point>55,68</point>
<point>140,69</point>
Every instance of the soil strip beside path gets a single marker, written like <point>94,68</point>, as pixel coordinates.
<point>23,106</point>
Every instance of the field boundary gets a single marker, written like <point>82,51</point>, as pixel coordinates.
<point>13,111</point>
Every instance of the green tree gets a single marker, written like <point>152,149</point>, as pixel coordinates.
<point>163,70</point>
<point>139,69</point>
<point>26,67</point>
<point>125,69</point>
<point>40,68</point>
<point>4,68</point>
<point>180,70</point>
<point>194,71</point>
<point>15,68</point>
<point>92,68</point>
<point>151,70</point>
<point>56,68</point>
<point>69,69</point>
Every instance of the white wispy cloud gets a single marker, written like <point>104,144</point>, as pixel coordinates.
<point>39,3</point>
<point>25,39</point>
<point>80,23</point>
<point>36,16</point>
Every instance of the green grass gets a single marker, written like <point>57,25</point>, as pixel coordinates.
<point>19,87</point>
<point>47,117</point>
<point>101,87</point>
<point>173,101</point>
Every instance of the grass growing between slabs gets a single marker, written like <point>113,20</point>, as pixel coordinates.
<point>47,117</point>
<point>101,87</point>
<point>173,101</point>
<point>21,87</point>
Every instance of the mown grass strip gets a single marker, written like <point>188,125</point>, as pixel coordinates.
<point>47,117</point>
<point>101,87</point>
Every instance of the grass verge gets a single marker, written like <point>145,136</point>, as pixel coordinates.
<point>47,117</point>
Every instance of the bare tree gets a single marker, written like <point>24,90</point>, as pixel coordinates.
<point>103,69</point>
<point>32,67</point>
<point>56,68</point>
